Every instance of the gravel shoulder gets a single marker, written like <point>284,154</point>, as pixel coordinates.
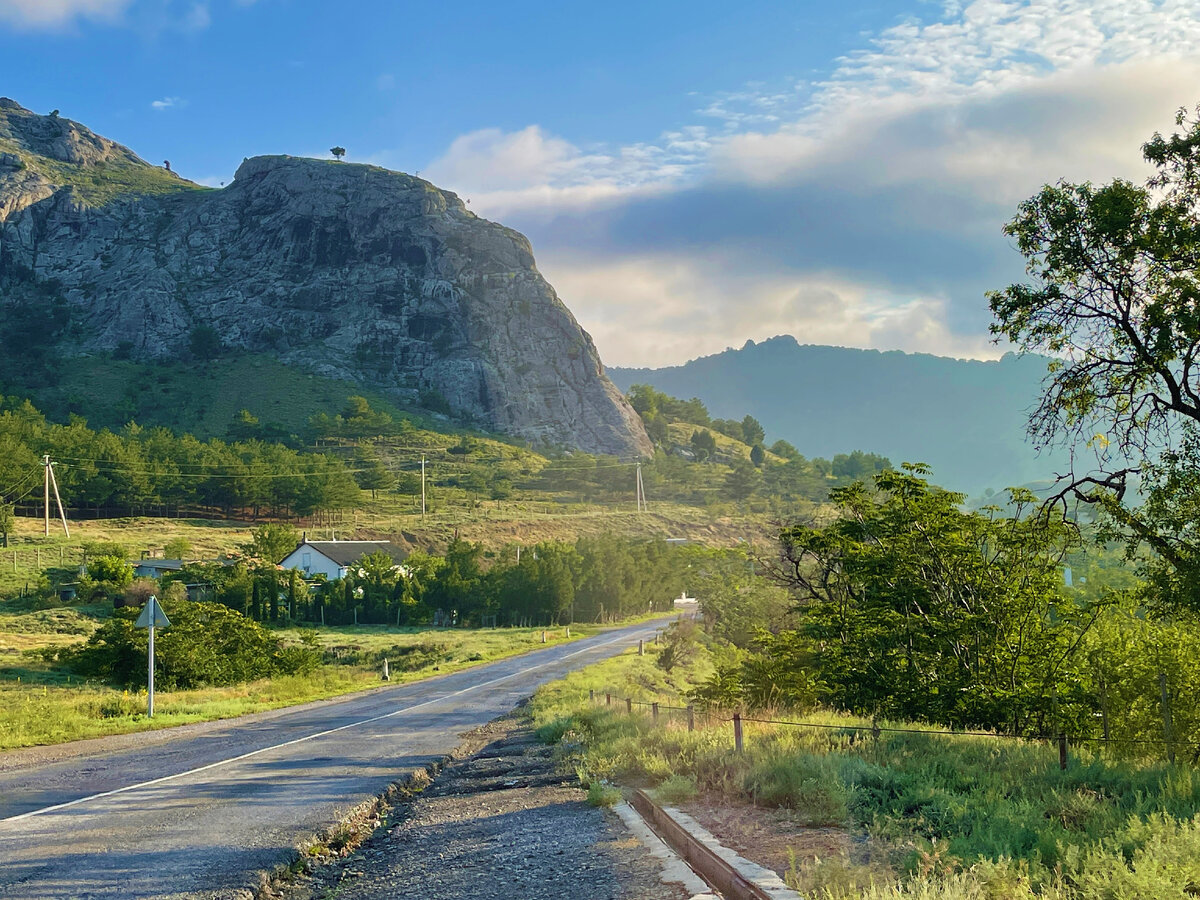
<point>499,822</point>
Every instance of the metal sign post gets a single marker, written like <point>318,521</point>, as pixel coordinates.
<point>152,616</point>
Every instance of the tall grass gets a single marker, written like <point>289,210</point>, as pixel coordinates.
<point>945,816</point>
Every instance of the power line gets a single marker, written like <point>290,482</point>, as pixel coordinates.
<point>117,468</point>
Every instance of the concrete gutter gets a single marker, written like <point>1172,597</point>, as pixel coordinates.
<point>674,869</point>
<point>736,877</point>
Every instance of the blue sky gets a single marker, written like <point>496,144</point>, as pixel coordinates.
<point>691,174</point>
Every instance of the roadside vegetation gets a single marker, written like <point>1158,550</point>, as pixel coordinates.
<point>267,638</point>
<point>45,703</point>
<point>931,815</point>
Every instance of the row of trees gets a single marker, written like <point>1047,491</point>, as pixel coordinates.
<point>143,467</point>
<point>594,579</point>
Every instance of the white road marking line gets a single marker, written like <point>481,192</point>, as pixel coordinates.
<point>233,759</point>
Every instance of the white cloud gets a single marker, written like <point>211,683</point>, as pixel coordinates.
<point>533,173</point>
<point>660,309</point>
<point>863,208</point>
<point>167,103</point>
<point>57,13</point>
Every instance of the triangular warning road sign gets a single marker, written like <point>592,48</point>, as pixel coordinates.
<point>152,615</point>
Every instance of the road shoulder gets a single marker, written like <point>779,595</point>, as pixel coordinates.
<point>500,821</point>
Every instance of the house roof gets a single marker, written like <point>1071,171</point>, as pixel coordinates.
<point>161,564</point>
<point>345,552</point>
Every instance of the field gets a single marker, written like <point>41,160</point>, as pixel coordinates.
<point>39,706</point>
<point>931,816</point>
<point>494,524</point>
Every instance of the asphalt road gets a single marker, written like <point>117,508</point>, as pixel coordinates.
<point>201,812</point>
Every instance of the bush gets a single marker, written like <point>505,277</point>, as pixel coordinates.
<point>677,789</point>
<point>111,571</point>
<point>206,644</point>
<point>601,793</point>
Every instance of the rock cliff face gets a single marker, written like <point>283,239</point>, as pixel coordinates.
<point>346,270</point>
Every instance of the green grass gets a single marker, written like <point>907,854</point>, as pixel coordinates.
<point>50,710</point>
<point>200,398</point>
<point>113,180</point>
<point>943,816</point>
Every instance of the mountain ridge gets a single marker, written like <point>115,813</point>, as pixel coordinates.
<point>966,418</point>
<point>348,271</point>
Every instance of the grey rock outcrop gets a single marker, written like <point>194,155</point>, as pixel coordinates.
<point>345,270</point>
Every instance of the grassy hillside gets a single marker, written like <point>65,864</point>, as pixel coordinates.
<point>100,184</point>
<point>198,397</point>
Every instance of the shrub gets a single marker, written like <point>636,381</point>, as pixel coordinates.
<point>677,789</point>
<point>803,782</point>
<point>206,644</point>
<point>111,571</point>
<point>601,793</point>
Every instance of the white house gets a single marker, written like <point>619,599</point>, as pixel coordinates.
<point>333,558</point>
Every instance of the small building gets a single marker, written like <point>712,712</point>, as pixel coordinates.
<point>156,568</point>
<point>334,558</point>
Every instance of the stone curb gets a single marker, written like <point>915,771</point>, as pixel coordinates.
<point>734,876</point>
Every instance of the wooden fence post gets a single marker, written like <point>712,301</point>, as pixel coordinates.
<point>654,711</point>
<point>738,744</point>
<point>629,705</point>
<point>1062,752</point>
<point>608,699</point>
<point>591,695</point>
<point>691,711</point>
<point>641,643</point>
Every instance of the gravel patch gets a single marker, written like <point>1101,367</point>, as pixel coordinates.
<point>501,824</point>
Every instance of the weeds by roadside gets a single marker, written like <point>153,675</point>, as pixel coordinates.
<point>946,817</point>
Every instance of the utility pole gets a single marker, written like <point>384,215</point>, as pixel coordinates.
<point>52,482</point>
<point>641,490</point>
<point>422,485</point>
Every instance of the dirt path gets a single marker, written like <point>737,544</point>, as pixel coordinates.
<point>502,824</point>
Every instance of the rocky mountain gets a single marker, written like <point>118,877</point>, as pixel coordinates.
<point>966,418</point>
<point>348,271</point>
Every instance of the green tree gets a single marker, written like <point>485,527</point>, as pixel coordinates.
<point>752,431</point>
<point>337,152</point>
<point>743,480</point>
<point>7,521</point>
<point>207,644</point>
<point>204,342</point>
<point>704,445</point>
<point>272,541</point>
<point>177,548</point>
<point>784,449</point>
<point>757,455</point>
<point>1114,276</point>
<point>858,466</point>
<point>916,609</point>
<point>371,474</point>
<point>114,572</point>
<point>244,427</point>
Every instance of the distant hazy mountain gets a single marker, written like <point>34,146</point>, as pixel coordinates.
<point>966,418</point>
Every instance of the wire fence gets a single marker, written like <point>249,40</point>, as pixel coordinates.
<point>1062,741</point>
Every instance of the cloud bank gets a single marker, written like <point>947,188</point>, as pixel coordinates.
<point>864,209</point>
<point>57,13</point>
